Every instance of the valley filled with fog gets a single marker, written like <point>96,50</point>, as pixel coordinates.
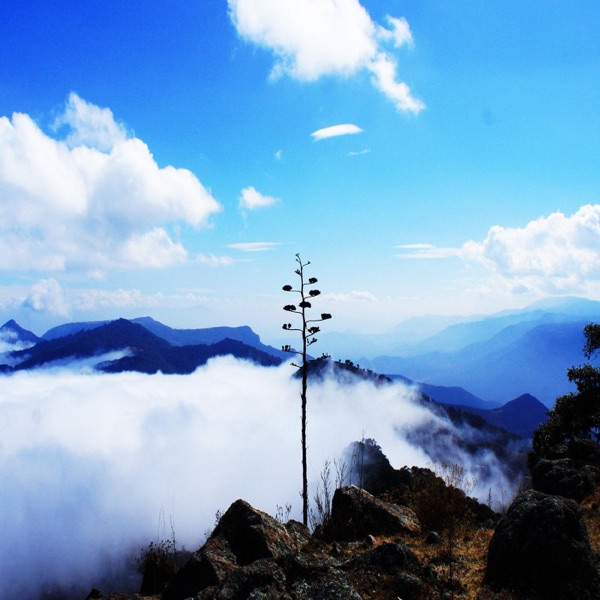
<point>95,466</point>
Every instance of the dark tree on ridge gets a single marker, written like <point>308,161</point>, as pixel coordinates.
<point>575,415</point>
<point>307,330</point>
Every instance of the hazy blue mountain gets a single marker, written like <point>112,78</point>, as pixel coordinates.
<point>125,346</point>
<point>403,337</point>
<point>515,361</point>
<point>70,328</point>
<point>421,335</point>
<point>13,334</point>
<point>522,416</point>
<point>176,337</point>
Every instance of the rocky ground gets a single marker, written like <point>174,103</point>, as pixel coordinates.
<point>421,540</point>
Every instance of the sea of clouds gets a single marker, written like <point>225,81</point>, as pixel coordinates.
<point>93,466</point>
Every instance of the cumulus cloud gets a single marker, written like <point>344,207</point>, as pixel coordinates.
<point>314,38</point>
<point>251,199</point>
<point>552,254</point>
<point>400,33</point>
<point>89,125</point>
<point>92,201</point>
<point>336,130</point>
<point>89,462</point>
<point>47,296</point>
<point>254,246</point>
<point>50,298</point>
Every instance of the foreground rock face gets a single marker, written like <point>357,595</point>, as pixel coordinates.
<point>570,470</point>
<point>356,514</point>
<point>250,554</point>
<point>541,549</point>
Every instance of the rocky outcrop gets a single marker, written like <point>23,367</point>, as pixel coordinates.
<point>355,514</point>
<point>250,554</point>
<point>570,470</point>
<point>243,536</point>
<point>559,477</point>
<point>541,549</point>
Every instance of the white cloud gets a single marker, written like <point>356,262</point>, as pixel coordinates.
<point>314,38</point>
<point>355,296</point>
<point>215,261</point>
<point>383,69</point>
<point>400,34</point>
<point>254,246</point>
<point>47,296</point>
<point>359,152</point>
<point>93,201</point>
<point>251,199</point>
<point>426,251</point>
<point>50,298</point>
<point>556,254</point>
<point>89,125</point>
<point>336,130</point>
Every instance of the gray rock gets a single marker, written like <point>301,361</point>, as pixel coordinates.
<point>356,514</point>
<point>243,535</point>
<point>559,477</point>
<point>541,549</point>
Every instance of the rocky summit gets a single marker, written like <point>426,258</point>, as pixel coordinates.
<point>418,540</point>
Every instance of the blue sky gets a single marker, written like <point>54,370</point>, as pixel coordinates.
<point>170,159</point>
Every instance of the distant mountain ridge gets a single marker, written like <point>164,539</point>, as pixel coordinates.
<point>123,345</point>
<point>502,356</point>
<point>12,333</point>
<point>520,416</point>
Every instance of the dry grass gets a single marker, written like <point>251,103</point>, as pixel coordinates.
<point>469,562</point>
<point>591,511</point>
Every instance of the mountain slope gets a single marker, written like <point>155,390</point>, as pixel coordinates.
<point>502,368</point>
<point>175,337</point>
<point>422,335</point>
<point>522,416</point>
<point>13,334</point>
<point>143,351</point>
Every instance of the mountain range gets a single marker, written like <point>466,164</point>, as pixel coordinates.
<point>147,346</point>
<point>124,345</point>
<point>496,358</point>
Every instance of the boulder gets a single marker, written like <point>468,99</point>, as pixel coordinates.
<point>392,568</point>
<point>570,470</point>
<point>541,549</point>
<point>251,555</point>
<point>243,535</point>
<point>561,478</point>
<point>356,514</point>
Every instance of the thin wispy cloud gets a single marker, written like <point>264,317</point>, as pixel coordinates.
<point>355,296</point>
<point>426,251</point>
<point>251,199</point>
<point>311,39</point>
<point>214,261</point>
<point>335,131</point>
<point>254,246</point>
<point>360,152</point>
